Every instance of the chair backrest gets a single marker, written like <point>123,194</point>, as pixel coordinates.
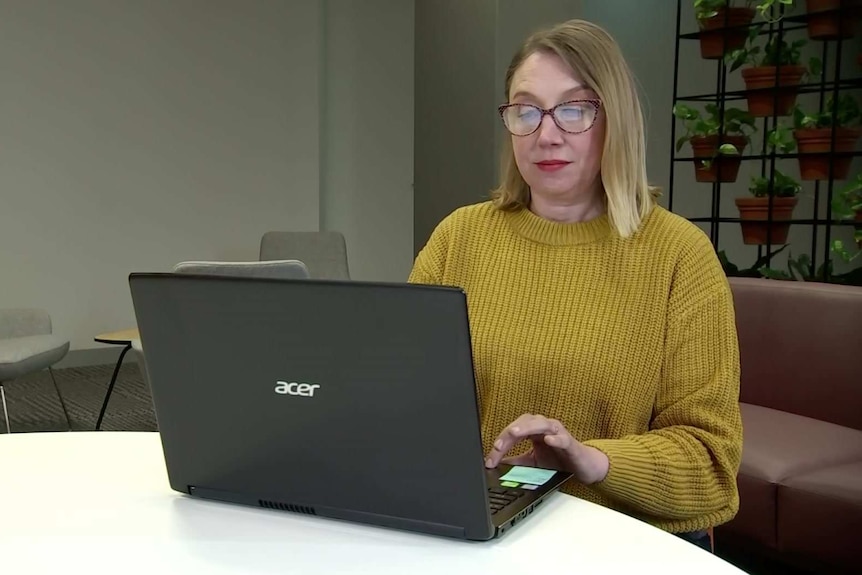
<point>282,269</point>
<point>325,253</point>
<point>23,322</point>
<point>801,347</point>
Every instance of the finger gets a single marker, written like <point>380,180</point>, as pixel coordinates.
<point>504,441</point>
<point>562,440</point>
<point>511,435</point>
<point>522,428</point>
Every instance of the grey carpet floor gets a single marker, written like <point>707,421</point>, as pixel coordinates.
<point>34,406</point>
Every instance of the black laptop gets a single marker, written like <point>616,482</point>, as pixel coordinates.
<point>347,400</point>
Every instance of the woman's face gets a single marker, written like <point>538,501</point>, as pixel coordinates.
<point>557,165</point>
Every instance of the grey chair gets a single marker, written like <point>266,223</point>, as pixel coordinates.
<point>282,268</point>
<point>325,253</point>
<point>277,269</point>
<point>28,345</point>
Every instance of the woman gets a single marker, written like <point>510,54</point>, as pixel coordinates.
<point>603,326</point>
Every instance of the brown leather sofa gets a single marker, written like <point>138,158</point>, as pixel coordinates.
<point>800,481</point>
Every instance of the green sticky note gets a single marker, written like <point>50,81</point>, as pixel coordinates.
<point>508,484</point>
<point>532,475</point>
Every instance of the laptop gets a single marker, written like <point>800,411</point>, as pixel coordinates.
<point>342,399</point>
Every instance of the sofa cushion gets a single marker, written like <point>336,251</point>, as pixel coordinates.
<point>820,516</point>
<point>779,445</point>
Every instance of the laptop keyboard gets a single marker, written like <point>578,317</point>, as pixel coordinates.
<point>499,497</point>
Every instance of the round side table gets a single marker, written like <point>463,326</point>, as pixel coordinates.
<point>123,338</point>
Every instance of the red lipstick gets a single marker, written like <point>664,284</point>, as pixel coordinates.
<point>552,165</point>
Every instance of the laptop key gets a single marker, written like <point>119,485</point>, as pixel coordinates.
<point>499,497</point>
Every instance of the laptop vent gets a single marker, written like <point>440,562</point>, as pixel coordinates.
<point>286,507</point>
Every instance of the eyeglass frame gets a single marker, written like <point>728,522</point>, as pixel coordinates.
<point>550,112</point>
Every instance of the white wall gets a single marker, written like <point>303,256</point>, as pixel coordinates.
<point>462,52</point>
<point>137,133</point>
<point>367,156</point>
<point>454,154</point>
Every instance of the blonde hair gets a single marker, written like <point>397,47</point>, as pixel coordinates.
<point>593,53</point>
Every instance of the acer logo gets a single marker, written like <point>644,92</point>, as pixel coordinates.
<point>294,388</point>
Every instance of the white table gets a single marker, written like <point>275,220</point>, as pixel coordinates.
<point>101,503</point>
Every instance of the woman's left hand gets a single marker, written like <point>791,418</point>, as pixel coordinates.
<point>553,447</point>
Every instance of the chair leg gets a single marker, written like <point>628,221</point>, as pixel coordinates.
<point>62,403</point>
<point>5,411</point>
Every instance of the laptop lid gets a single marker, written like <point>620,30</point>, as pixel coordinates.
<point>351,400</point>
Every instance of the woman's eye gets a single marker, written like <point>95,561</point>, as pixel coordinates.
<point>527,113</point>
<point>571,113</point>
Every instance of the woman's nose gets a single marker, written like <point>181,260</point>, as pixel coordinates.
<point>549,132</point>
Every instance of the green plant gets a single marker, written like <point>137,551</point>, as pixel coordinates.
<point>847,113</point>
<point>736,122</point>
<point>774,53</point>
<point>781,139</point>
<point>783,186</point>
<point>846,203</point>
<point>709,8</point>
<point>838,247</point>
<point>799,269</point>
<point>765,5</point>
<point>704,9</point>
<point>732,270</point>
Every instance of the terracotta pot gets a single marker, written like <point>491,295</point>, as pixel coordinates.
<point>814,147</point>
<point>832,24</point>
<point>716,39</point>
<point>756,226</point>
<point>761,78</point>
<point>719,168</point>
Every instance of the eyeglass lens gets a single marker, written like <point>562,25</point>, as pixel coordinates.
<point>574,117</point>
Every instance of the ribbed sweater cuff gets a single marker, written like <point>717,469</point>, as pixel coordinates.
<point>631,471</point>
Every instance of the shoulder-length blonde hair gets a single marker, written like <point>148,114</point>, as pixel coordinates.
<point>590,50</point>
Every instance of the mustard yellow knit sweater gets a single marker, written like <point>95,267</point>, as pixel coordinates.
<point>631,343</point>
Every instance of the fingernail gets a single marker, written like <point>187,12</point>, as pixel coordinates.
<point>488,462</point>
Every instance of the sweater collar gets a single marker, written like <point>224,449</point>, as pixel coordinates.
<point>527,224</point>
